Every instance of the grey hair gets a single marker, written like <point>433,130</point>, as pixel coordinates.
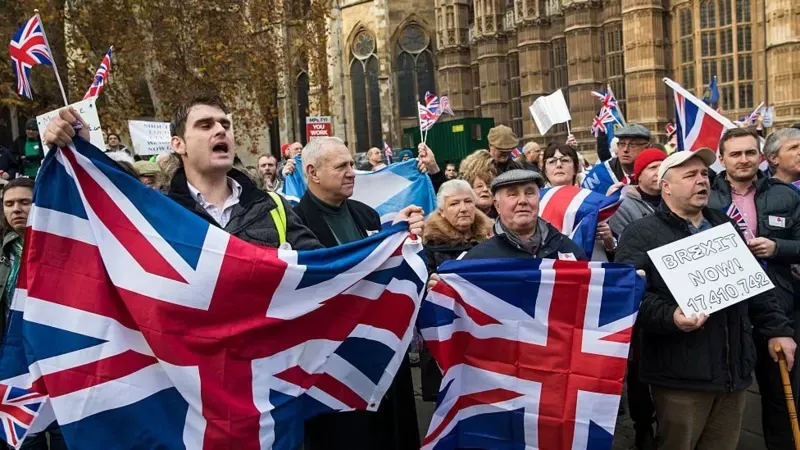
<point>453,187</point>
<point>774,142</point>
<point>314,150</point>
<point>529,147</point>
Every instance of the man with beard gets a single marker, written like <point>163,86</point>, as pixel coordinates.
<point>327,209</point>
<point>268,169</point>
<point>771,211</point>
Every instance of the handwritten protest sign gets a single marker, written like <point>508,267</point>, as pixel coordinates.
<point>710,271</point>
<point>150,138</point>
<point>87,110</point>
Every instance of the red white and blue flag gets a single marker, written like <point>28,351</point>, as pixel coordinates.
<point>699,126</point>
<point>575,212</point>
<point>18,409</point>
<point>533,352</point>
<point>602,177</point>
<point>445,105</point>
<point>734,213</point>
<point>427,118</point>
<point>600,120</point>
<point>607,97</point>
<point>100,76</point>
<point>516,152</point>
<point>189,336</point>
<point>27,48</point>
<point>433,105</point>
<point>387,151</point>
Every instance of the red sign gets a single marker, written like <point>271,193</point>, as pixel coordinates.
<point>318,126</point>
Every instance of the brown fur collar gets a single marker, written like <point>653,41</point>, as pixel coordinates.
<point>439,231</point>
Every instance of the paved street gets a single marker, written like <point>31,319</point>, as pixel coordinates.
<point>623,438</point>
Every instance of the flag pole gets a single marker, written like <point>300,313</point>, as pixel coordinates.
<point>568,130</point>
<point>787,390</point>
<point>55,66</point>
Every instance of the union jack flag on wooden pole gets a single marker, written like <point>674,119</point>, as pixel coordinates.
<point>29,47</point>
<point>100,76</point>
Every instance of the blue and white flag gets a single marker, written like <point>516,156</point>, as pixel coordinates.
<point>601,177</point>
<point>387,190</point>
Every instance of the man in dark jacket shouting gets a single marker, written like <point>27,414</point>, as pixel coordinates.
<point>519,231</point>
<point>771,224</point>
<point>698,366</point>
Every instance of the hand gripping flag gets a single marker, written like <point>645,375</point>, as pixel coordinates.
<point>27,48</point>
<point>100,77</point>
<point>533,352</point>
<point>135,311</point>
<point>387,191</point>
<point>576,212</point>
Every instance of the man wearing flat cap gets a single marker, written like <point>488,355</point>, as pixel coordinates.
<point>519,231</point>
<point>502,141</point>
<point>633,138</point>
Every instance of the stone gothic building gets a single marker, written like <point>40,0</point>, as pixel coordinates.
<point>493,58</point>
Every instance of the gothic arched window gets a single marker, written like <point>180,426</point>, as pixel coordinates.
<point>414,69</point>
<point>364,83</point>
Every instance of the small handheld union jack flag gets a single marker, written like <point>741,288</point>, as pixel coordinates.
<point>600,120</point>
<point>427,118</point>
<point>607,97</point>
<point>100,76</point>
<point>432,103</point>
<point>670,128</point>
<point>18,410</point>
<point>734,213</point>
<point>445,105</point>
<point>27,48</point>
<point>387,150</point>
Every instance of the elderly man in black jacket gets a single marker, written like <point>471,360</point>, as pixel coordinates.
<point>771,214</point>
<point>327,209</point>
<point>698,367</point>
<point>519,232</point>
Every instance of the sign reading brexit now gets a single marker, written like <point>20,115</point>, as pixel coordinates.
<point>710,271</point>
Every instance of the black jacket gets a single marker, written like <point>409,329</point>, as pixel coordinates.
<point>778,200</point>
<point>18,153</point>
<point>503,246</point>
<point>367,219</point>
<point>250,219</point>
<point>8,162</point>
<point>719,357</point>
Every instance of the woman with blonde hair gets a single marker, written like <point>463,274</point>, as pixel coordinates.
<point>478,170</point>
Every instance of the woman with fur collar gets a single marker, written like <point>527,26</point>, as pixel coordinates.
<point>455,227</point>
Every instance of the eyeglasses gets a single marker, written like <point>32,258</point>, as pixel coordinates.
<point>554,161</point>
<point>631,144</point>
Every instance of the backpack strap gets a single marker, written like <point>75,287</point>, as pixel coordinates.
<point>279,217</point>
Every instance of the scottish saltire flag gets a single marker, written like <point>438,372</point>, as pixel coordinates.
<point>188,336</point>
<point>387,190</point>
<point>698,124</point>
<point>18,409</point>
<point>100,76</point>
<point>533,352</point>
<point>601,177</point>
<point>576,212</point>
<point>27,48</point>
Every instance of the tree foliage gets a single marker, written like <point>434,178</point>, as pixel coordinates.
<point>166,51</point>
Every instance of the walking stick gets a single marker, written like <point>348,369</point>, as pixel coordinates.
<point>787,389</point>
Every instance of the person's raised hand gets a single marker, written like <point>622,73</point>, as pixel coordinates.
<point>426,160</point>
<point>289,168</point>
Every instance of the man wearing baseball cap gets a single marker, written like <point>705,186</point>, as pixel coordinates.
<point>698,367</point>
<point>502,141</point>
<point>519,232</point>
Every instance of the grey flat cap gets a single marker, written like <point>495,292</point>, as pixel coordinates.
<point>517,176</point>
<point>633,130</point>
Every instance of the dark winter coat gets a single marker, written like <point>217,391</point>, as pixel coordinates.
<point>367,219</point>
<point>443,242</point>
<point>394,425</point>
<point>719,357</point>
<point>5,269</point>
<point>778,200</point>
<point>8,162</point>
<point>250,220</point>
<point>502,245</point>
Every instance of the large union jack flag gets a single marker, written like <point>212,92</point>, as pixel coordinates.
<point>18,409</point>
<point>576,212</point>
<point>533,352</point>
<point>100,76</point>
<point>134,310</point>
<point>28,47</point>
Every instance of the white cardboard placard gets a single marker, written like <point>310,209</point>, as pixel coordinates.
<point>88,111</point>
<point>710,271</point>
<point>150,138</point>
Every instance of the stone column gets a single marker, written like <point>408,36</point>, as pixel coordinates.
<point>452,52</point>
<point>491,45</point>
<point>584,65</point>
<point>783,59</point>
<point>533,41</point>
<point>645,41</point>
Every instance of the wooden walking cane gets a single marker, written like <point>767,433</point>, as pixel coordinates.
<point>787,389</point>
